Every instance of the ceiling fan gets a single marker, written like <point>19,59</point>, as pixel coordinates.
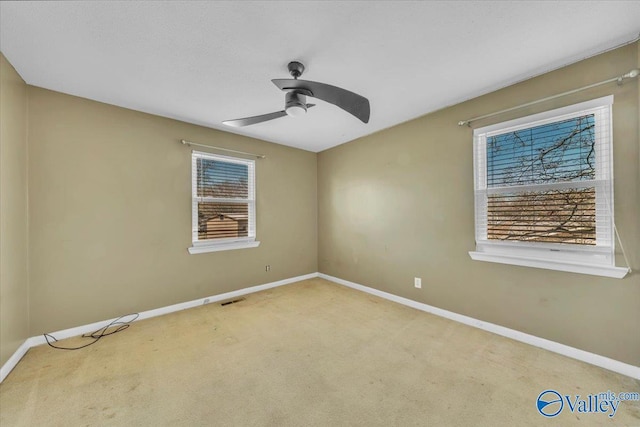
<point>296,98</point>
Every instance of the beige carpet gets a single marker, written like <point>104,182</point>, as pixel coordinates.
<point>308,354</point>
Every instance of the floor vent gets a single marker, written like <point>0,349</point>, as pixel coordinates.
<point>233,301</point>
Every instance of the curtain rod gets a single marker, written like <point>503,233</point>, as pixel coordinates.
<point>259,156</point>
<point>630,75</point>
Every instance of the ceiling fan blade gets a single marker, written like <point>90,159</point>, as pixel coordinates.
<point>238,123</point>
<point>350,102</point>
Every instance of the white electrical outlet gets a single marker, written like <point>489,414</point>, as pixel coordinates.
<point>267,268</point>
<point>417,282</point>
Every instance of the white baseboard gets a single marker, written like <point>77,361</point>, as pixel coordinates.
<point>79,330</point>
<point>14,359</point>
<point>565,350</point>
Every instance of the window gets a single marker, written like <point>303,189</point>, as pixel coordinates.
<point>544,190</point>
<point>223,203</point>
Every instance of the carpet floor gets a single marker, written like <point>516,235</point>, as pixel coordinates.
<point>312,353</point>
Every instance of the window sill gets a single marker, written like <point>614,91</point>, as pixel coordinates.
<point>550,264</point>
<point>222,247</point>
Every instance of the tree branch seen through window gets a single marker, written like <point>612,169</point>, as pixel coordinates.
<point>520,162</point>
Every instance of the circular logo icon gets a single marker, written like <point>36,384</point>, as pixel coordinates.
<point>549,403</point>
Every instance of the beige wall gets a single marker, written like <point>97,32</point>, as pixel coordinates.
<point>399,204</point>
<point>110,204</point>
<point>14,297</point>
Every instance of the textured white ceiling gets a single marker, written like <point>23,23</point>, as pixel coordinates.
<point>205,62</point>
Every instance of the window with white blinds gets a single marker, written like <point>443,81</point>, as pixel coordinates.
<point>544,188</point>
<point>223,202</point>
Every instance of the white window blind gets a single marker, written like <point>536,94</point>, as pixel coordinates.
<point>223,199</point>
<point>544,186</point>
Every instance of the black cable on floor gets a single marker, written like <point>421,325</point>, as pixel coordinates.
<point>100,333</point>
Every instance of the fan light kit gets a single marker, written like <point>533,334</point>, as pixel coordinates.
<point>295,104</point>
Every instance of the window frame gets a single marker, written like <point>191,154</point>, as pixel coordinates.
<point>226,243</point>
<point>598,259</point>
